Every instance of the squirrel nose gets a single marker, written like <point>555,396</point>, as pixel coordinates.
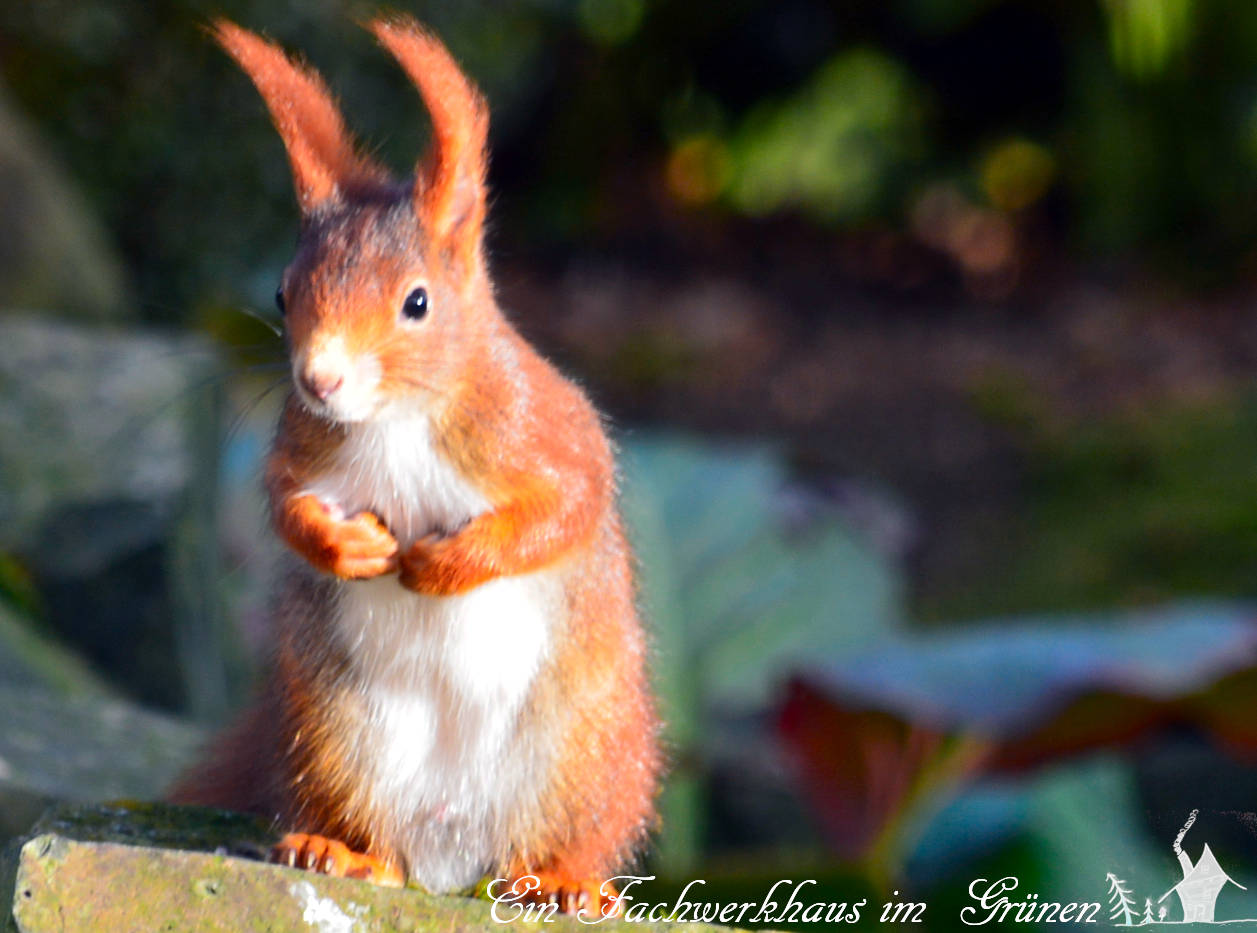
<point>321,384</point>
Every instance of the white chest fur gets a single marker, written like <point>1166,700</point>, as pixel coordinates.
<point>392,468</point>
<point>444,677</point>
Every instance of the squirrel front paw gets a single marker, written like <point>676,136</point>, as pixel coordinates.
<point>440,564</point>
<point>357,548</point>
<point>353,548</point>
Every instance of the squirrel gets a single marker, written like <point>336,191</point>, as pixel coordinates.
<point>459,684</point>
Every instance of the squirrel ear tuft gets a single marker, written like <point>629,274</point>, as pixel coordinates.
<point>325,163</point>
<point>450,180</point>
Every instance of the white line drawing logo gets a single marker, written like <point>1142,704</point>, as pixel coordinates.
<point>1197,892</point>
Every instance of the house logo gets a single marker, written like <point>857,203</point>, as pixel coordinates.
<point>1197,892</point>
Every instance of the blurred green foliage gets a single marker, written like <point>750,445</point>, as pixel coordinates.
<point>1126,509</point>
<point>832,147</point>
<point>737,595</point>
<point>1145,36</point>
<point>1129,124</point>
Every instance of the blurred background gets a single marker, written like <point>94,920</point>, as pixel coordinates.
<point>926,330</point>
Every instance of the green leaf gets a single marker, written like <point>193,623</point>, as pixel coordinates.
<point>736,598</point>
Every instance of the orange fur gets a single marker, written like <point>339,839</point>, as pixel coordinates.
<point>506,442</point>
<point>450,191</point>
<point>332,857</point>
<point>596,685</point>
<point>321,152</point>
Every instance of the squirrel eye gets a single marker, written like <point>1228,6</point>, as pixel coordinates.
<point>416,304</point>
<point>279,300</point>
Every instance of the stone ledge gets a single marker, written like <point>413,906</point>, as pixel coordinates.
<point>94,883</point>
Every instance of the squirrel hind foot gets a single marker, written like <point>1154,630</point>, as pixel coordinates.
<point>331,857</point>
<point>575,896</point>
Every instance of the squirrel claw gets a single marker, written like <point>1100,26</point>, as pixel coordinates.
<point>577,897</point>
<point>330,857</point>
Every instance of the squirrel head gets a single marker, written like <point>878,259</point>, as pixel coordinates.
<point>387,301</point>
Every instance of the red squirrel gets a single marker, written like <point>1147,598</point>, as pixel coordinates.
<point>459,686</point>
